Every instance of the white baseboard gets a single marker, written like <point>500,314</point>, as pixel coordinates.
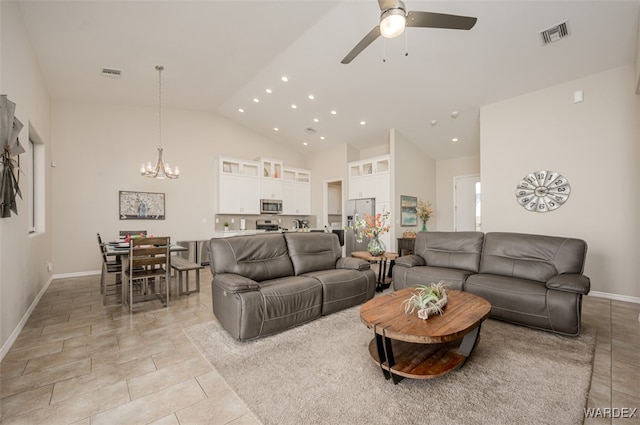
<point>16,332</point>
<point>615,297</point>
<point>76,274</point>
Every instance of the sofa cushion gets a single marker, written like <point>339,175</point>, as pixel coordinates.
<point>289,301</point>
<point>343,288</point>
<point>457,250</point>
<point>426,275</point>
<point>258,257</point>
<point>512,299</point>
<point>533,257</point>
<point>313,251</point>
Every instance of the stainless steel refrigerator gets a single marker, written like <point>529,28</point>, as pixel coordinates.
<point>359,207</point>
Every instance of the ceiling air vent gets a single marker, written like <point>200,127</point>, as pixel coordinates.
<point>554,33</point>
<point>310,130</point>
<point>110,72</point>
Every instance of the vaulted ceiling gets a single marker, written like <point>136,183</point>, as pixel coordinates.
<point>221,55</point>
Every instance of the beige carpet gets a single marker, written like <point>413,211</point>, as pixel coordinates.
<point>321,373</point>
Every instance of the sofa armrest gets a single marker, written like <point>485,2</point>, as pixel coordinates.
<point>410,261</point>
<point>570,282</point>
<point>352,264</point>
<point>235,283</point>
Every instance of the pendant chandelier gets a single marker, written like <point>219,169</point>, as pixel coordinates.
<point>161,170</point>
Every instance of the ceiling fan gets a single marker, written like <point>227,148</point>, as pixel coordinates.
<point>394,18</point>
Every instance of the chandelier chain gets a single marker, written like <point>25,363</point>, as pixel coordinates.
<point>160,68</point>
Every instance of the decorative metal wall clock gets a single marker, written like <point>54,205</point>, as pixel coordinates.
<point>543,191</point>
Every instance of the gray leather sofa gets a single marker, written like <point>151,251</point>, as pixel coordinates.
<point>531,280</point>
<point>266,283</point>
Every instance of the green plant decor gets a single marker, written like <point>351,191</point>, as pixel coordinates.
<point>427,301</point>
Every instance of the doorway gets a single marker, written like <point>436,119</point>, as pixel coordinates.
<point>466,203</point>
<point>333,204</point>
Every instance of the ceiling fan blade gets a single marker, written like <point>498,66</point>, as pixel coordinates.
<point>368,39</point>
<point>440,20</point>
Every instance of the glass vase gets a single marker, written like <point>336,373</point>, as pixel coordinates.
<point>424,226</point>
<point>376,247</point>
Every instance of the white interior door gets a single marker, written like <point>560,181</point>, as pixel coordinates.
<point>466,203</point>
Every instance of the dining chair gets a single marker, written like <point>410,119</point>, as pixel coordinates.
<point>148,271</point>
<point>108,267</point>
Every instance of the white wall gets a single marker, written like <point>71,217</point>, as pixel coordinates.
<point>414,175</point>
<point>595,145</point>
<point>23,258</point>
<point>446,171</point>
<point>99,149</point>
<point>327,164</point>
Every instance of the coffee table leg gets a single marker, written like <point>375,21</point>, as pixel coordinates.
<point>385,355</point>
<point>469,341</point>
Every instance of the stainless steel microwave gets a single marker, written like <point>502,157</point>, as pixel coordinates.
<point>270,206</point>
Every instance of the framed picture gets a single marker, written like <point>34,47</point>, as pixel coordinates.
<point>141,206</point>
<point>408,215</point>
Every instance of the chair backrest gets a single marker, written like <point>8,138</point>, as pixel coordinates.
<point>152,254</point>
<point>103,249</point>
<point>124,233</point>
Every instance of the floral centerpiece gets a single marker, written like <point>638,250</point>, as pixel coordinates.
<point>424,211</point>
<point>371,227</point>
<point>428,300</point>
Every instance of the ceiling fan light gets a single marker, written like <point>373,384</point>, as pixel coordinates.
<point>392,22</point>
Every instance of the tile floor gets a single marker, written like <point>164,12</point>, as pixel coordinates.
<point>79,362</point>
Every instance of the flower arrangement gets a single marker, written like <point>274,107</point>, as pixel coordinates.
<point>424,211</point>
<point>370,226</point>
<point>428,300</point>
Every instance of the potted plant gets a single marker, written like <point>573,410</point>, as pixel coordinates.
<point>226,226</point>
<point>424,212</point>
<point>371,227</point>
<point>428,300</point>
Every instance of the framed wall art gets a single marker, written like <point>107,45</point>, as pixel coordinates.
<point>141,205</point>
<point>408,215</point>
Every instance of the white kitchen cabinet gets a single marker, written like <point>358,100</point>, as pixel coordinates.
<point>271,179</point>
<point>238,186</point>
<point>370,178</point>
<point>296,191</point>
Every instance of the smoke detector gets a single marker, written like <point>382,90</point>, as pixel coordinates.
<point>555,33</point>
<point>110,72</point>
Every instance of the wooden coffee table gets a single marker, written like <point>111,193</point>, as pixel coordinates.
<point>408,347</point>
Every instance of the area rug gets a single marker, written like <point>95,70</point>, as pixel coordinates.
<point>322,373</point>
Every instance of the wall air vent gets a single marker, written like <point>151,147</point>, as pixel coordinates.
<point>554,33</point>
<point>110,72</point>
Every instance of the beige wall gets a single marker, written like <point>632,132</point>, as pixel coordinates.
<point>414,175</point>
<point>595,145</point>
<point>99,149</point>
<point>328,164</point>
<point>446,171</point>
<point>23,258</point>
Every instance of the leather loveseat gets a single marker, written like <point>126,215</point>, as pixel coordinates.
<point>266,283</point>
<point>531,280</point>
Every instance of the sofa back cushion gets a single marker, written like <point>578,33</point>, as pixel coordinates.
<point>533,257</point>
<point>313,251</point>
<point>258,257</point>
<point>458,250</point>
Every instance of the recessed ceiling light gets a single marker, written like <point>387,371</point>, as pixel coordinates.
<point>363,123</point>
<point>316,120</point>
<point>305,143</point>
<point>454,114</point>
<point>322,137</point>
<point>284,79</point>
<point>269,91</point>
<point>255,99</point>
<point>434,122</point>
<point>294,106</point>
<point>311,97</point>
<point>454,140</point>
<point>240,110</point>
<point>333,112</point>
<point>276,129</point>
